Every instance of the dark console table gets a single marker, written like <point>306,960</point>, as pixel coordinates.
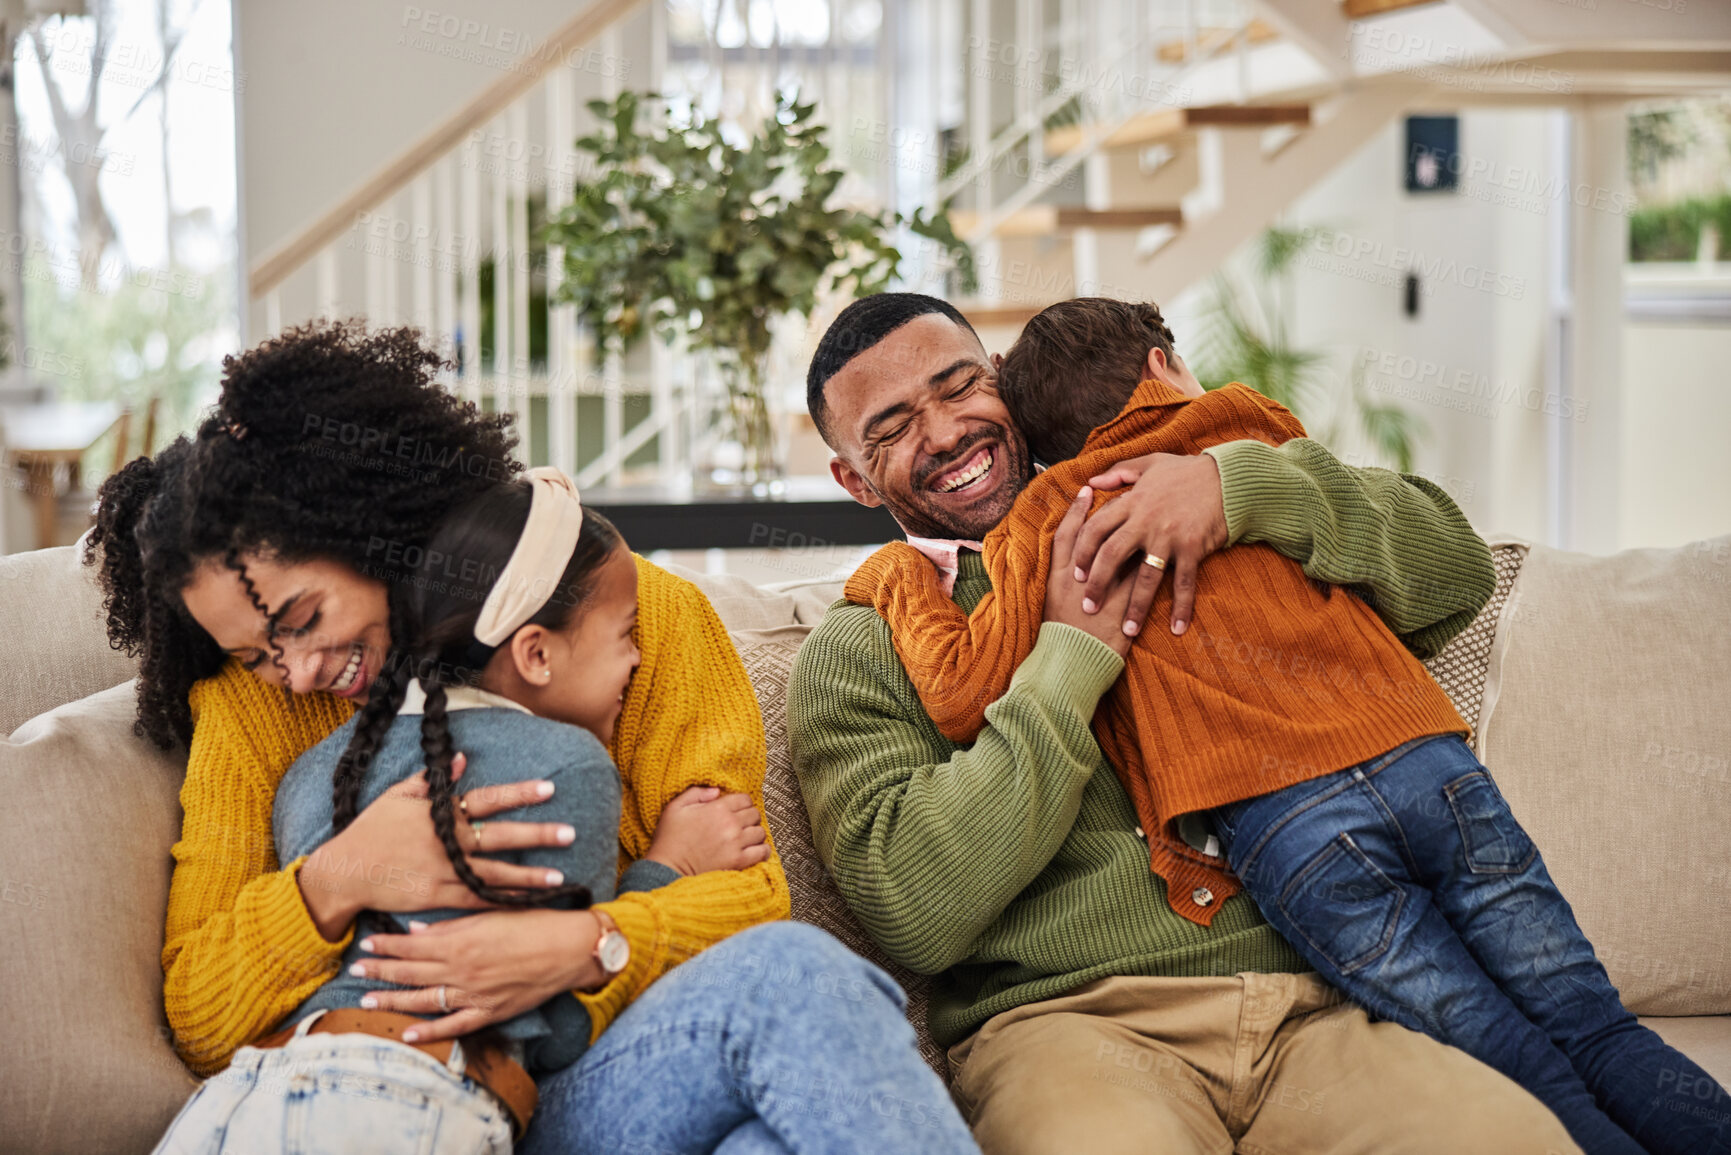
<point>814,512</point>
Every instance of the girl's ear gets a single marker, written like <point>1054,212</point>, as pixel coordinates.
<point>529,657</point>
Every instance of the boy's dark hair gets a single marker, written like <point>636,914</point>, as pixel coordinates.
<point>856,329</point>
<point>1073,368</point>
<point>326,440</point>
<point>433,617</point>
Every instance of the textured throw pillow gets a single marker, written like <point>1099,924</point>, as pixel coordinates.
<point>84,866</point>
<point>813,892</point>
<point>56,644</point>
<point>1607,722</point>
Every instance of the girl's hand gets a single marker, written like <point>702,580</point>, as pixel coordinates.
<point>703,829</point>
<point>492,967</point>
<point>389,858</point>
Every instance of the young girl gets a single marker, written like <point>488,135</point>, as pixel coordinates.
<point>548,585</point>
<point>251,569</point>
<point>1332,764</point>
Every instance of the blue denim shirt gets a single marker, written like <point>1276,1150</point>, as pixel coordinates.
<point>504,744</point>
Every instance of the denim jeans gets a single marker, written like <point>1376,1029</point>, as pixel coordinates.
<point>1408,884</point>
<point>778,1039</point>
<point>336,1095</point>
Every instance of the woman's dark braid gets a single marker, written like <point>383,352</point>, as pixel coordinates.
<point>436,746</point>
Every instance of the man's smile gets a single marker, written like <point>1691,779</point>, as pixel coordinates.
<point>970,474</point>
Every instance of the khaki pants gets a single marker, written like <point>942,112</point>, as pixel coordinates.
<point>1253,1064</point>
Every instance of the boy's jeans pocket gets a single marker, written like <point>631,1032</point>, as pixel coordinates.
<point>1493,841</point>
<point>1343,894</point>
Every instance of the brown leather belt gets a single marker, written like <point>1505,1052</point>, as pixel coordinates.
<point>486,1063</point>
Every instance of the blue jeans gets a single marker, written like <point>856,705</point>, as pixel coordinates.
<point>778,1039</point>
<point>1408,884</point>
<point>339,1095</point>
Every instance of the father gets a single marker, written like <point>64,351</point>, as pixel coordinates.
<point>1080,1011</point>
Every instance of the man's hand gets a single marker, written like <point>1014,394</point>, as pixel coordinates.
<point>1064,588</point>
<point>1174,510</point>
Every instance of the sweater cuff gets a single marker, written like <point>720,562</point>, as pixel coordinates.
<point>292,933</point>
<point>1245,466</point>
<point>642,929</point>
<point>1069,667</point>
<point>646,874</point>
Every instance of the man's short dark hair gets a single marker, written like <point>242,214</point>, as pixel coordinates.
<point>860,326</point>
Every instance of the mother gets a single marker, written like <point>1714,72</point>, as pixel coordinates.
<point>256,558</point>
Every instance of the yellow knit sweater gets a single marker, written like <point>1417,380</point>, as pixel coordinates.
<point>241,950</point>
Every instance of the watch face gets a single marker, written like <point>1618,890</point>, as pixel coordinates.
<point>614,951</point>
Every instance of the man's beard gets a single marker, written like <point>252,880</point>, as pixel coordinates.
<point>921,514</point>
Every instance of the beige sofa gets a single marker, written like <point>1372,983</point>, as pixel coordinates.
<point>1601,689</point>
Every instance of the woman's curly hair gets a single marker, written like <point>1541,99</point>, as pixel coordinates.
<point>328,442</point>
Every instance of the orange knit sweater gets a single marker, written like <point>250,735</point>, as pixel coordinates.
<point>1278,681</point>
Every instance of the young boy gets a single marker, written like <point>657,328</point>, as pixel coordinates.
<point>1333,766</point>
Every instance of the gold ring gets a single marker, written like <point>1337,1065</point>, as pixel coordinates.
<point>477,827</point>
<point>463,805</point>
<point>1156,562</point>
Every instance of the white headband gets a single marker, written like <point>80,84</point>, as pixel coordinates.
<point>539,559</point>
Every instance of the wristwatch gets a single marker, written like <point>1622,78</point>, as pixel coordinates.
<point>612,949</point>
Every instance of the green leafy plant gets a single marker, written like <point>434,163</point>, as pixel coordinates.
<point>1244,337</point>
<point>1673,232</point>
<point>688,233</point>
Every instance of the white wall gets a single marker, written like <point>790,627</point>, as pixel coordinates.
<point>331,90</point>
<point>334,89</point>
<point>1478,335</point>
<point>1676,484</point>
<point>1472,364</point>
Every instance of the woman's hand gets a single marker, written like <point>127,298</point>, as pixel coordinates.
<point>491,966</point>
<point>702,829</point>
<point>389,859</point>
<point>1174,510</point>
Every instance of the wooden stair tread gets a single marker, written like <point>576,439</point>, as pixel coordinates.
<point>1169,122</point>
<point>1359,9</point>
<point>1044,220</point>
<point>982,315</point>
<point>1209,39</point>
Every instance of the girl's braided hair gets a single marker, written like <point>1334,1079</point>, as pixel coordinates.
<point>328,442</point>
<point>434,617</point>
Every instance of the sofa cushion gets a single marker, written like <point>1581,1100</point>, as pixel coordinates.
<point>810,886</point>
<point>1707,1040</point>
<point>745,608</point>
<point>86,1064</point>
<point>1606,724</point>
<point>56,643</point>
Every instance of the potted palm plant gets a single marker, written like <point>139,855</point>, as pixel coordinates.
<point>683,232</point>
<point>1245,337</point>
